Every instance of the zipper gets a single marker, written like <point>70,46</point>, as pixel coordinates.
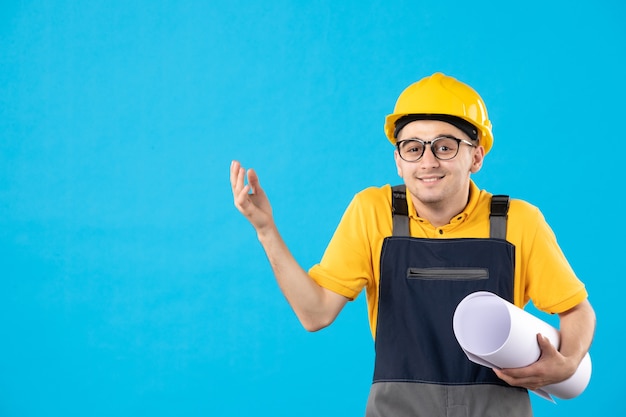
<point>449,274</point>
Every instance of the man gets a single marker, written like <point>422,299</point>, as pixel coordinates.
<point>419,249</point>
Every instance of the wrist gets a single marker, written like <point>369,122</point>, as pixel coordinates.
<point>266,233</point>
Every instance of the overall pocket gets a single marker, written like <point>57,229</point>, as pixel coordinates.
<point>448,274</point>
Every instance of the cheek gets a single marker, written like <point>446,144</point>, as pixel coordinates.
<point>399,168</point>
<point>398,163</point>
<point>467,164</point>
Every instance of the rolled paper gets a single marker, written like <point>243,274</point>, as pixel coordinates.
<point>495,333</point>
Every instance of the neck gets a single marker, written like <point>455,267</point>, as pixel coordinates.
<point>440,213</point>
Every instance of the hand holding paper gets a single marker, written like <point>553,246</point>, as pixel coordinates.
<point>495,333</point>
<point>552,367</point>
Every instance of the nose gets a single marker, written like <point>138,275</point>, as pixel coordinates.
<point>429,159</point>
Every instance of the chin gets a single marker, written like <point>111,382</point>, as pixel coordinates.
<point>428,198</point>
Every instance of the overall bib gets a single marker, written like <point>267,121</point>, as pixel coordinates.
<point>420,369</point>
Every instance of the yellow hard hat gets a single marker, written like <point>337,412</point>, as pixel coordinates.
<point>442,95</point>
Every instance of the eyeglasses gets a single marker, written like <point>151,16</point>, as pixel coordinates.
<point>443,147</point>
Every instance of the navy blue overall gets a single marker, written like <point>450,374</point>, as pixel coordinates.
<point>420,369</point>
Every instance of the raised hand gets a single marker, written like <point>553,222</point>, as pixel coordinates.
<point>250,199</point>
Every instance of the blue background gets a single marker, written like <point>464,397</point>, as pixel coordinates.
<point>129,284</point>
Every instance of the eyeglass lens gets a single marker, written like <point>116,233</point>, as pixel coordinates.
<point>443,148</point>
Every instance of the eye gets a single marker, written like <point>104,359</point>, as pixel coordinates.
<point>445,146</point>
<point>412,147</point>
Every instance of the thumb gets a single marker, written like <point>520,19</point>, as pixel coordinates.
<point>545,345</point>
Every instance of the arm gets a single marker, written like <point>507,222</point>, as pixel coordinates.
<point>315,306</point>
<point>577,326</point>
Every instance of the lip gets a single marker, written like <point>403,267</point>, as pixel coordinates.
<point>430,179</point>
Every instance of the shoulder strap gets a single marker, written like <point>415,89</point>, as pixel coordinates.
<point>498,216</point>
<point>399,211</point>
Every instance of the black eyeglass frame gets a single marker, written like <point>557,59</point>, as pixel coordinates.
<point>432,146</point>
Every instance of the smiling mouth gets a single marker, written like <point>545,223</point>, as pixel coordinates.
<point>430,179</point>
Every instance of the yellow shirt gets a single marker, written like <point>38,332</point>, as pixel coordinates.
<point>352,259</point>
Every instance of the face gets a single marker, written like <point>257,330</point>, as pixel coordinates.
<point>433,183</point>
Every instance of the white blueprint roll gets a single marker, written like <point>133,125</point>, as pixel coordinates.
<point>495,333</point>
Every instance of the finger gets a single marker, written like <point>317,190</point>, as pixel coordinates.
<point>510,377</point>
<point>240,190</point>
<point>240,179</point>
<point>516,373</point>
<point>509,373</point>
<point>234,173</point>
<point>242,200</point>
<point>253,181</point>
<point>504,376</point>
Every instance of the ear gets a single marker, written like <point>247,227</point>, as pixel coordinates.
<point>396,157</point>
<point>477,159</point>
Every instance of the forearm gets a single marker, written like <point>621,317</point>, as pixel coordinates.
<point>315,306</point>
<point>577,327</point>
